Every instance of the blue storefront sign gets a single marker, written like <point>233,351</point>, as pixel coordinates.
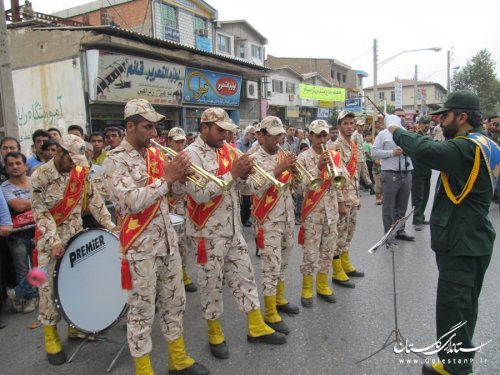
<point>353,105</point>
<point>205,87</point>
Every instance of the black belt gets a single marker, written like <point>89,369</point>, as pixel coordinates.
<point>390,171</point>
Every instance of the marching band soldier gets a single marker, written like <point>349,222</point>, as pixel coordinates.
<point>274,213</point>
<point>349,202</point>
<point>319,217</point>
<point>177,142</point>
<point>61,190</point>
<point>215,226</point>
<point>138,181</point>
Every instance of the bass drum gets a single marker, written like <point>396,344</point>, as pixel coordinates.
<point>87,281</point>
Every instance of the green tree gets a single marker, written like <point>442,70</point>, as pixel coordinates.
<point>478,75</point>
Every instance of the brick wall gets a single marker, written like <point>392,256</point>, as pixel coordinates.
<point>135,15</point>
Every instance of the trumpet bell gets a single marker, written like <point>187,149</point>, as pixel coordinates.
<point>339,182</point>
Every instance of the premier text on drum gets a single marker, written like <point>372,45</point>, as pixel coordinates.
<point>90,248</point>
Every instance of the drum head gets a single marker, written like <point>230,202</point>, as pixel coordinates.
<point>87,281</point>
<point>176,220</point>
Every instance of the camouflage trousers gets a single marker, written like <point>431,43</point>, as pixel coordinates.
<point>47,312</point>
<point>320,242</point>
<point>182,242</point>
<point>346,227</point>
<point>228,261</point>
<point>278,245</point>
<point>155,279</point>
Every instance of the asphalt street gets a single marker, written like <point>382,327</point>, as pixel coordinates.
<point>324,339</point>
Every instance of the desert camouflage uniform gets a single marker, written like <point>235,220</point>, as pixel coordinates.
<point>179,208</point>
<point>349,195</point>
<point>320,236</point>
<point>48,186</point>
<point>278,228</point>
<point>362,168</point>
<point>227,251</point>
<point>154,259</point>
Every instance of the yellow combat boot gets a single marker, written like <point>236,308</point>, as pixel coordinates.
<point>218,346</point>
<point>348,267</point>
<point>339,276</point>
<point>258,331</point>
<point>306,296</point>
<point>180,363</point>
<point>271,316</point>
<point>143,365</point>
<point>323,289</point>
<point>53,347</point>
<point>281,302</point>
<point>188,283</point>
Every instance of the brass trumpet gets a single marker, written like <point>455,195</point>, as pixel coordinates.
<point>204,176</point>
<point>314,182</point>
<point>260,175</point>
<point>338,178</point>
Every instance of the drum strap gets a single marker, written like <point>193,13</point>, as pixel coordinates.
<point>133,225</point>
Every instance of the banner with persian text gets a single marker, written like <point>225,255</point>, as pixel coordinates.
<point>211,88</point>
<point>119,78</point>
<point>331,94</point>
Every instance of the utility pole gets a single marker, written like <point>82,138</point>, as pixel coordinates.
<point>375,63</point>
<point>415,90</point>
<point>8,117</point>
<point>448,69</point>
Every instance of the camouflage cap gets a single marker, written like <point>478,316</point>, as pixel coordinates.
<point>219,117</point>
<point>344,114</point>
<point>143,108</point>
<point>318,126</point>
<point>360,122</point>
<point>177,134</point>
<point>76,149</point>
<point>272,125</point>
<point>424,119</point>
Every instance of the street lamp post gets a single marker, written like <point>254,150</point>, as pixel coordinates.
<point>377,64</point>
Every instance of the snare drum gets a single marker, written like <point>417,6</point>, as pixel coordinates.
<point>87,281</point>
<point>176,220</point>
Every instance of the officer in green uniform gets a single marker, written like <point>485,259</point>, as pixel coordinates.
<point>462,235</point>
<point>421,181</point>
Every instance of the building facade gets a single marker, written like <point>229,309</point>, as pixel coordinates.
<point>429,95</point>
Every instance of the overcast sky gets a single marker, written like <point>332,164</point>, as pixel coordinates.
<point>344,30</point>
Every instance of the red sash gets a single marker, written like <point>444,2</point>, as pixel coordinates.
<point>262,206</point>
<point>200,213</point>
<point>313,197</point>
<point>71,196</point>
<point>133,225</point>
<point>353,162</point>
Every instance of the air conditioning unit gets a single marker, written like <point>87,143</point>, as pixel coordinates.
<point>202,32</point>
<point>252,90</point>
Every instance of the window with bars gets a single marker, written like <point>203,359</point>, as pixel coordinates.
<point>381,95</point>
<point>169,16</point>
<point>393,96</point>
<point>200,24</point>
